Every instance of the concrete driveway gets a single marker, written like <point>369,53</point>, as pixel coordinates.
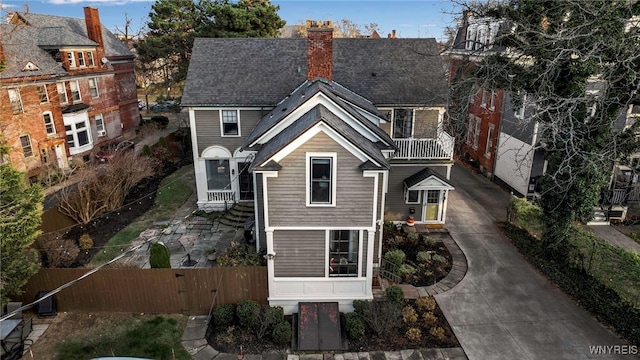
<point>504,308</point>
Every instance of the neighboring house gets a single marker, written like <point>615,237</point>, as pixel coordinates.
<point>328,138</point>
<point>67,87</point>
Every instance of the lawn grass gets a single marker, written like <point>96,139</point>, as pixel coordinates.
<point>158,338</point>
<point>172,193</point>
<point>634,236</point>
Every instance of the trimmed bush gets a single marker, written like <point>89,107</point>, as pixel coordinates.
<point>439,258</point>
<point>406,270</point>
<point>423,256</point>
<point>394,294</point>
<point>223,314</point>
<point>395,257</point>
<point>429,319</point>
<point>360,306</point>
<point>414,335</point>
<point>281,333</point>
<point>247,312</point>
<point>160,121</point>
<point>159,256</point>
<point>426,303</point>
<point>85,242</point>
<point>428,240</point>
<point>354,326</point>
<point>409,315</point>
<point>438,333</point>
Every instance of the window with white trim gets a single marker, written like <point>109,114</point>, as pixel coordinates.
<point>93,87</point>
<point>15,100</point>
<point>48,123</point>
<point>62,92</point>
<point>75,90</point>
<point>519,113</point>
<point>485,97</point>
<point>487,150</point>
<point>81,59</point>
<point>411,196</point>
<point>321,174</point>
<point>90,58</point>
<point>72,59</point>
<point>402,123</point>
<point>482,37</point>
<point>476,134</point>
<point>42,94</point>
<point>494,99</point>
<point>344,247</point>
<point>471,37</point>
<point>230,122</point>
<point>25,142</point>
<point>218,174</point>
<point>77,134</point>
<point>100,125</point>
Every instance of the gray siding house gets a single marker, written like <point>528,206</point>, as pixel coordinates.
<point>328,138</point>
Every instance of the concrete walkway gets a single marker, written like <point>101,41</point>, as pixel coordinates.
<point>504,308</point>
<point>615,235</point>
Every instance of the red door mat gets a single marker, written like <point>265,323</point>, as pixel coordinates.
<point>319,326</point>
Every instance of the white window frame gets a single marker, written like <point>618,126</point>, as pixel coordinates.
<point>42,93</point>
<point>90,59</point>
<point>62,86</point>
<point>222,112</point>
<point>333,266</point>
<point>50,123</point>
<point>471,37</point>
<point>476,134</point>
<point>72,130</point>
<point>406,196</point>
<point>15,100</point>
<point>470,128</point>
<point>99,120</point>
<point>77,92</point>
<point>487,150</point>
<point>494,99</point>
<point>412,121</point>
<point>332,185</point>
<point>28,147</point>
<point>94,88</point>
<point>81,62</point>
<point>72,59</point>
<point>519,113</point>
<point>485,97</point>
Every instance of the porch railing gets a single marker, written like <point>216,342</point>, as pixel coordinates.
<point>221,195</point>
<point>411,148</point>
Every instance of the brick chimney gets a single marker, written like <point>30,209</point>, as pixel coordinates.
<point>319,52</point>
<point>94,28</point>
<point>2,58</point>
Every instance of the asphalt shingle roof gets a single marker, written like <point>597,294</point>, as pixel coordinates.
<point>263,71</point>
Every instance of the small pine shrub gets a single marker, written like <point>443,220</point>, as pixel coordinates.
<point>162,142</point>
<point>423,256</point>
<point>281,333</point>
<point>146,150</point>
<point>414,335</point>
<point>438,333</point>
<point>354,325</point>
<point>223,314</point>
<point>439,258</point>
<point>428,240</point>
<point>394,294</point>
<point>395,257</point>
<point>85,241</point>
<point>159,256</point>
<point>247,312</point>
<point>413,236</point>
<point>406,270</point>
<point>409,315</point>
<point>426,303</point>
<point>429,319</point>
<point>360,306</point>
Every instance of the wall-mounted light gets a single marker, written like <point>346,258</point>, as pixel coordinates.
<point>270,256</point>
<point>233,171</point>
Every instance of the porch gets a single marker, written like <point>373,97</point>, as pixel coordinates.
<point>440,148</point>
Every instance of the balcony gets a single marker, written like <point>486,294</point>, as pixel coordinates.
<point>425,149</point>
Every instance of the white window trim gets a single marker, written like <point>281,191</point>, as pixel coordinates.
<point>78,88</point>
<point>222,123</point>
<point>100,129</point>
<point>64,89</point>
<point>406,197</point>
<point>471,37</point>
<point>46,93</point>
<point>71,56</point>
<point>53,124</point>
<point>30,146</point>
<point>476,133</point>
<point>327,235</point>
<point>334,172</point>
<point>82,63</point>
<point>95,82</point>
<point>470,128</point>
<point>90,59</point>
<point>489,146</point>
<point>520,112</point>
<point>494,98</point>
<point>485,96</point>
<point>16,91</point>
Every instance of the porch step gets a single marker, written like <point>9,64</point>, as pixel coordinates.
<point>237,215</point>
<point>599,218</point>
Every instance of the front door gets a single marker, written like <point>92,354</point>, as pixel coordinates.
<point>431,205</point>
<point>245,181</point>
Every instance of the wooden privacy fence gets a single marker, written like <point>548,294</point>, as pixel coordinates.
<point>165,291</point>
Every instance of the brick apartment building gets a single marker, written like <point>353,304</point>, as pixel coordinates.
<point>67,87</point>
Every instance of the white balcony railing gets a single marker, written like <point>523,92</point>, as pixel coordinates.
<point>221,196</point>
<point>425,149</point>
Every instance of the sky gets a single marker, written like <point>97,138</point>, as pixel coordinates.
<point>410,18</point>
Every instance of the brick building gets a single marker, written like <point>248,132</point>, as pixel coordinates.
<point>67,87</point>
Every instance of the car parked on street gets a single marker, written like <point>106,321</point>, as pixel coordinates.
<point>108,152</point>
<point>141,104</point>
<point>166,106</point>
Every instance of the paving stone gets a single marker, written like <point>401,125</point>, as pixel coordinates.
<point>431,354</point>
<point>453,352</point>
<point>377,355</point>
<point>350,356</point>
<point>196,328</point>
<point>252,357</point>
<point>207,353</point>
<point>193,346</point>
<point>327,356</point>
<point>311,357</point>
<point>293,357</point>
<point>410,354</point>
<point>393,355</point>
<point>226,356</point>
<point>272,356</point>
<point>364,356</point>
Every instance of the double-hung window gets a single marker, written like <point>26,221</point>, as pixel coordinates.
<point>90,58</point>
<point>487,151</point>
<point>48,123</point>
<point>412,196</point>
<point>321,180</point>
<point>100,125</point>
<point>72,59</point>
<point>81,59</point>
<point>42,94</point>
<point>25,141</point>
<point>77,135</point>
<point>15,100</point>
<point>230,122</point>
<point>62,92</point>
<point>93,87</point>
<point>75,90</point>
<point>344,246</point>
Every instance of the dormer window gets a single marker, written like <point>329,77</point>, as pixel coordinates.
<point>72,59</point>
<point>90,58</point>
<point>81,59</point>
